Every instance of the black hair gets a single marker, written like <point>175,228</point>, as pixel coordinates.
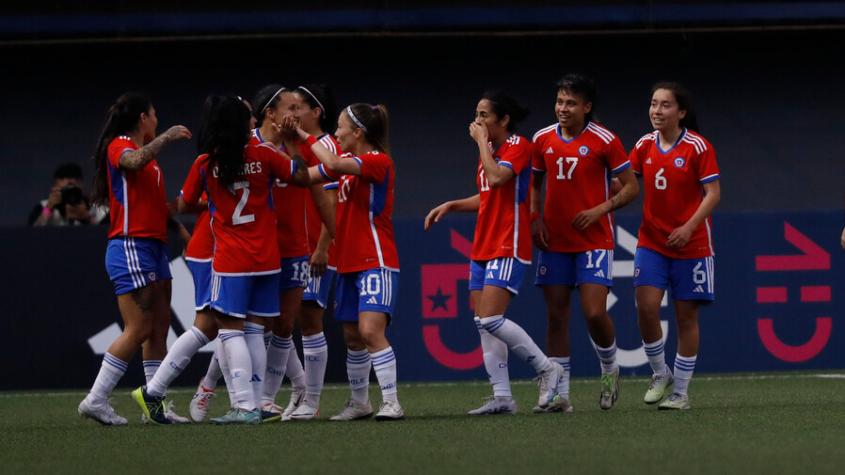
<point>320,96</point>
<point>210,103</point>
<point>226,131</point>
<point>579,85</point>
<point>684,100</point>
<point>505,105</point>
<point>68,170</point>
<point>266,97</point>
<point>121,119</point>
<point>373,120</point>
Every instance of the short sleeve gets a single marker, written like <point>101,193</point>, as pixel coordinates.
<point>518,156</point>
<point>538,162</point>
<point>374,166</point>
<point>116,149</point>
<point>194,186</point>
<point>706,165</point>
<point>617,160</point>
<point>636,161</point>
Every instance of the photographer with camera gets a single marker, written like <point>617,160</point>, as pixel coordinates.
<point>66,205</point>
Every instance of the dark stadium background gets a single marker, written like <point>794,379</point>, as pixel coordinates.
<point>767,78</point>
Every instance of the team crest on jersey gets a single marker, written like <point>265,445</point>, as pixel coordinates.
<point>583,150</point>
<point>680,162</point>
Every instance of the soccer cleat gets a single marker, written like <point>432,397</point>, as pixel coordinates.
<point>495,405</point>
<point>198,408</point>
<point>171,415</point>
<point>660,385</point>
<point>543,389</point>
<point>558,404</point>
<point>296,396</point>
<point>549,380</point>
<point>390,411</point>
<point>306,411</point>
<point>152,408</point>
<point>102,413</point>
<point>238,416</point>
<point>353,411</point>
<point>675,402</point>
<point>609,389</point>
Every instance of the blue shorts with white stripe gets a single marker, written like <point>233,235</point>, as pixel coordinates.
<point>371,290</point>
<point>687,279</point>
<point>134,263</point>
<point>503,272</point>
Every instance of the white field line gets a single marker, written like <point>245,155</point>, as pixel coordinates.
<point>446,384</point>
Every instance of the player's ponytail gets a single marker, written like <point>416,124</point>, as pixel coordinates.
<point>225,133</point>
<point>505,105</point>
<point>580,85</point>
<point>684,100</point>
<point>320,96</point>
<point>122,118</point>
<point>373,121</point>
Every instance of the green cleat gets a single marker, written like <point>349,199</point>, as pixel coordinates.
<point>238,416</point>
<point>609,389</point>
<point>659,387</point>
<point>152,408</point>
<point>675,402</point>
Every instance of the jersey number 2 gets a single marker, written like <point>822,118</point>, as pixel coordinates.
<point>237,217</point>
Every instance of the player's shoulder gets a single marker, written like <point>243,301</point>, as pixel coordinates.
<point>329,142</point>
<point>544,133</point>
<point>516,141</point>
<point>697,141</point>
<point>646,140</point>
<point>122,141</point>
<point>601,132</point>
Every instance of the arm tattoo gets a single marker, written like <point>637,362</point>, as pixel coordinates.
<point>135,159</point>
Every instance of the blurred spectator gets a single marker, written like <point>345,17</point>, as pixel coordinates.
<point>67,204</point>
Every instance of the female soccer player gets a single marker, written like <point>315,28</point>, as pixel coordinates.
<point>501,249</point>
<point>675,247</point>
<point>245,279</point>
<point>129,177</point>
<point>368,264</point>
<point>574,228</point>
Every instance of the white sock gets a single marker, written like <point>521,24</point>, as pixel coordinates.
<point>277,361</point>
<point>684,367</point>
<point>150,368</point>
<point>220,355</point>
<point>180,354</point>
<point>268,335</point>
<point>656,356</point>
<point>564,385</point>
<point>384,362</point>
<point>517,340</point>
<point>315,349</point>
<point>358,371</point>
<point>111,370</point>
<point>495,361</point>
<point>294,371</point>
<point>254,337</point>
<point>212,376</point>
<point>240,368</point>
<point>607,357</point>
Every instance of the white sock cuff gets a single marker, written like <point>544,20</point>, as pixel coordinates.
<point>199,335</point>
<point>251,328</point>
<point>357,357</point>
<point>151,364</point>
<point>115,363</point>
<point>654,348</point>
<point>608,352</point>
<point>383,357</point>
<point>314,343</point>
<point>225,335</point>
<point>685,363</point>
<point>492,323</point>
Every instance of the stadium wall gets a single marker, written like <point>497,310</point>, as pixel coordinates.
<point>780,278</point>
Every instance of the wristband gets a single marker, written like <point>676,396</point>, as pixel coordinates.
<point>47,211</point>
<point>535,216</point>
<point>311,140</point>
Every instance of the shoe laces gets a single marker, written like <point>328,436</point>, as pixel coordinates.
<point>606,383</point>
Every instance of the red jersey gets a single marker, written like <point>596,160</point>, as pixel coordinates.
<point>314,224</point>
<point>503,228</point>
<point>137,198</point>
<point>364,228</point>
<point>242,220</point>
<point>673,181</point>
<point>333,246</point>
<point>581,170</point>
<point>201,246</point>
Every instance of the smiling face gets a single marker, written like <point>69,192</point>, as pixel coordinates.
<point>571,109</point>
<point>496,127</point>
<point>664,112</point>
<point>308,116</point>
<point>347,134</point>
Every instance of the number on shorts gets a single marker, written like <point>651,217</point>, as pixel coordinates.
<point>601,254</point>
<point>237,217</point>
<point>301,271</point>
<point>660,181</point>
<point>699,275</point>
<point>572,161</point>
<point>371,285</point>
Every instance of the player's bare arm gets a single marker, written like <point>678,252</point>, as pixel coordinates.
<point>135,159</point>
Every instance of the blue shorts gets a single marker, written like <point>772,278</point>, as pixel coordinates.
<point>688,279</point>
<point>242,295</point>
<point>503,272</point>
<point>371,290</point>
<point>295,271</point>
<point>319,287</point>
<point>575,268</point>
<point>201,272</point>
<point>133,263</point>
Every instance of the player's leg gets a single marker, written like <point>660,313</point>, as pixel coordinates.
<point>651,278</point>
<point>358,362</point>
<point>263,310</point>
<point>315,351</point>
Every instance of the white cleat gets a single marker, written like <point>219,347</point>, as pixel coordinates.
<point>353,411</point>
<point>296,396</point>
<point>390,411</point>
<point>558,404</point>
<point>495,405</point>
<point>675,402</point>
<point>102,413</point>
<point>171,415</point>
<point>550,380</point>
<point>198,408</point>
<point>306,411</point>
<point>658,387</point>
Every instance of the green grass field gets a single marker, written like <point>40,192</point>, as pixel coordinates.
<point>774,423</point>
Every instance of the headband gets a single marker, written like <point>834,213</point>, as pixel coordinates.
<point>271,99</point>
<point>319,104</point>
<point>355,119</point>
